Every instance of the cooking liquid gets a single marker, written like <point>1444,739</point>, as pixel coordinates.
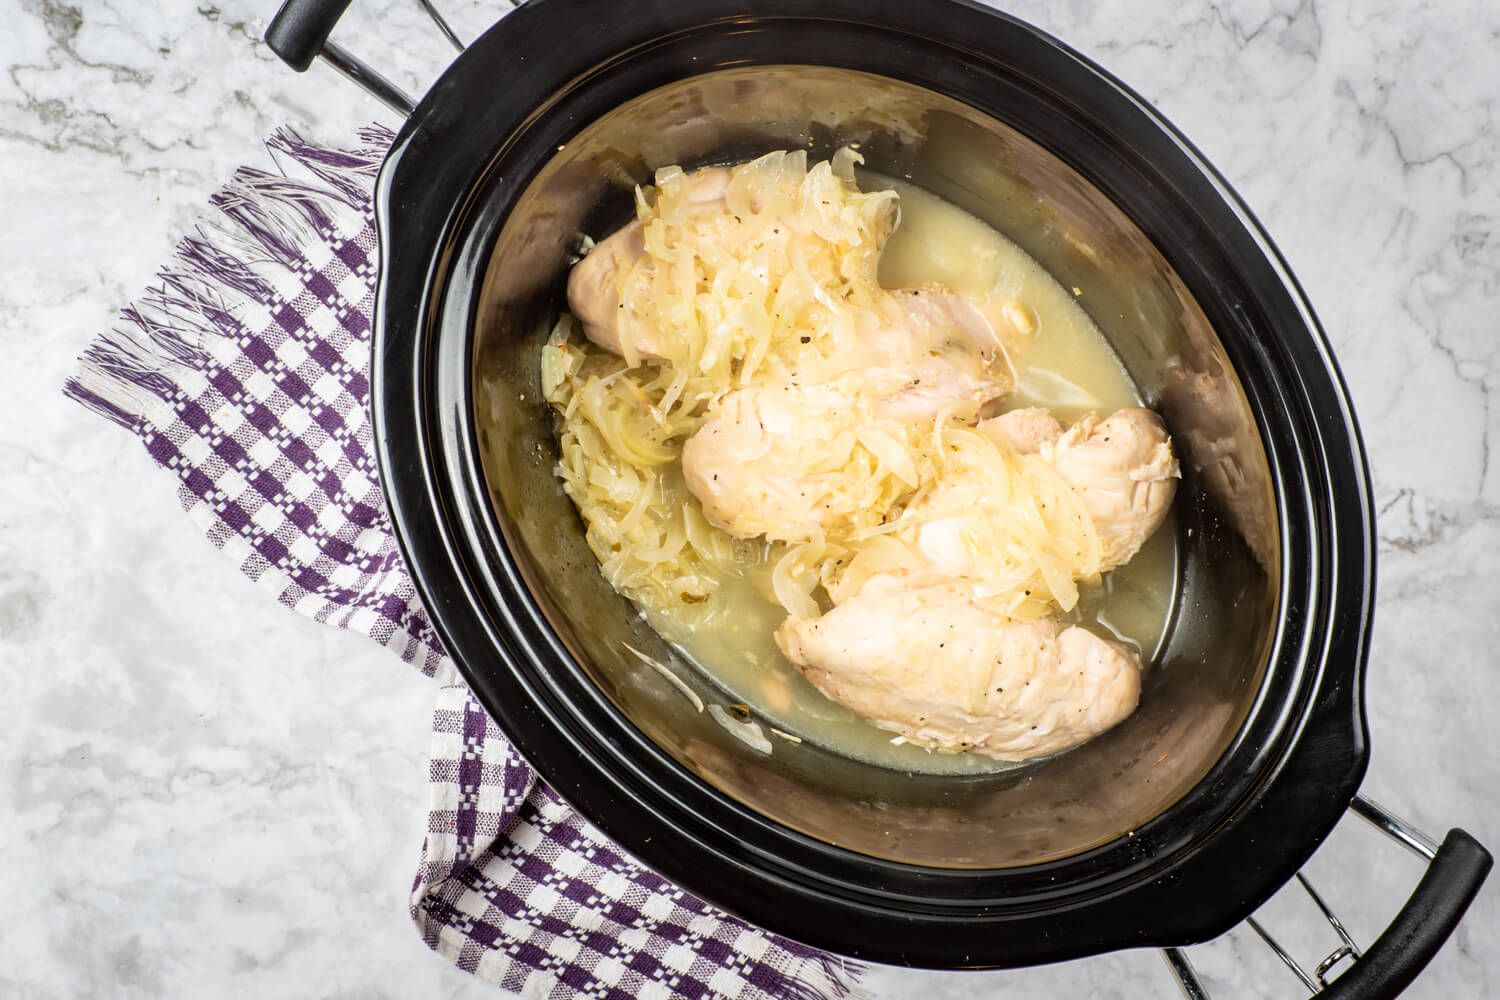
<point>1068,367</point>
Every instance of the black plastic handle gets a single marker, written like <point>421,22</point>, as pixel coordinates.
<point>299,34</point>
<point>1422,927</point>
<point>301,28</point>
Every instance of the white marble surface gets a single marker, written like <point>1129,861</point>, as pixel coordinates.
<point>202,795</point>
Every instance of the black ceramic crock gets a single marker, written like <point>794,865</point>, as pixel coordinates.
<point>1250,741</point>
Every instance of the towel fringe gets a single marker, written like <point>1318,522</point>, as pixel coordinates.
<point>349,172</point>
<point>268,221</point>
<point>825,978</point>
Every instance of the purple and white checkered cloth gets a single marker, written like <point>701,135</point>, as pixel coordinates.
<point>244,372</point>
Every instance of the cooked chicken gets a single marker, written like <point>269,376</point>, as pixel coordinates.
<point>594,282</point>
<point>933,348</point>
<point>849,415</point>
<point>1121,467</point>
<point>1024,431</point>
<point>779,461</point>
<point>928,348</point>
<point>594,289</point>
<point>930,663</point>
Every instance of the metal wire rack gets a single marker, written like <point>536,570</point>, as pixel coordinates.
<point>1341,958</point>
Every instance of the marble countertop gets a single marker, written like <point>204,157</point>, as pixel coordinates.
<point>202,795</point>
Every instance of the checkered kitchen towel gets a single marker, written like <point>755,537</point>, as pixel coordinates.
<point>244,372</point>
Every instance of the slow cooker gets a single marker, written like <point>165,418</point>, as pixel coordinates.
<point>1250,740</point>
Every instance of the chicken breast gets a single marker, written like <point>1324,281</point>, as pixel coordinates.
<point>594,284</point>
<point>932,664</point>
<point>594,289</point>
<point>929,346</point>
<point>1121,467</point>
<point>1024,431</point>
<point>779,461</point>
<point>933,348</point>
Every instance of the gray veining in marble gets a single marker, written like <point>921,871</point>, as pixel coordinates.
<point>202,795</point>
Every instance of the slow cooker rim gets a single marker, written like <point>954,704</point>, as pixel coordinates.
<point>402,151</point>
